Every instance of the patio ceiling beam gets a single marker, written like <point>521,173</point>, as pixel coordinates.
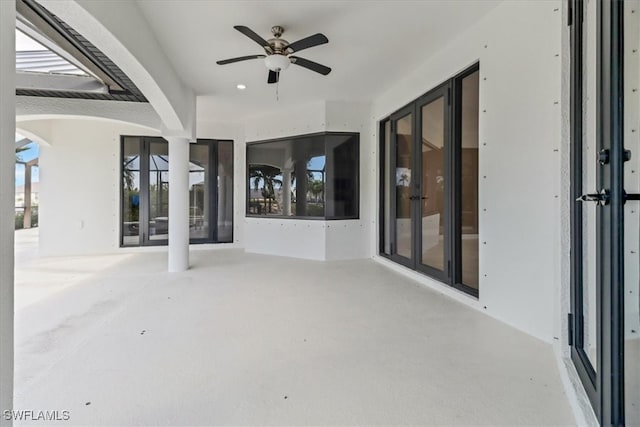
<point>59,82</point>
<point>36,107</point>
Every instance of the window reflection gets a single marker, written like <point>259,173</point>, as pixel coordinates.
<point>199,191</point>
<point>314,176</point>
<point>145,191</point>
<point>225,191</point>
<point>130,191</point>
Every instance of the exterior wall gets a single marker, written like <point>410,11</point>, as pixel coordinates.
<point>518,46</point>
<point>79,186</point>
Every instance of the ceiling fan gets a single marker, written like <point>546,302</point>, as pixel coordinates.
<point>278,52</point>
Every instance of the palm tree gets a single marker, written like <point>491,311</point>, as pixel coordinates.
<point>267,175</point>
<point>316,187</point>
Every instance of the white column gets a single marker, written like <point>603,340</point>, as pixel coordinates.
<point>7,199</point>
<point>178,204</point>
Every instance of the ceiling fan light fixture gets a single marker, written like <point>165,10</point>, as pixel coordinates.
<point>277,62</point>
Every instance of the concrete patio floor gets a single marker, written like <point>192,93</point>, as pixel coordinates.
<point>250,339</point>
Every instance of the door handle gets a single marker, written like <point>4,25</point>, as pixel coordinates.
<point>632,196</point>
<point>418,198</point>
<point>601,198</point>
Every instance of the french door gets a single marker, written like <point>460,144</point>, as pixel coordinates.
<point>604,319</point>
<point>429,183</point>
<point>421,207</point>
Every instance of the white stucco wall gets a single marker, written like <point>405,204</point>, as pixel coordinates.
<point>518,46</point>
<point>313,239</point>
<point>79,181</point>
<point>632,169</point>
<point>79,185</point>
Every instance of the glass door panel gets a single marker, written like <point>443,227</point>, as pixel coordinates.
<point>130,191</point>
<point>589,182</point>
<point>585,226</point>
<point>386,184</point>
<point>224,201</point>
<point>433,183</point>
<point>158,216</point>
<point>468,210</point>
<point>199,191</point>
<point>404,161</point>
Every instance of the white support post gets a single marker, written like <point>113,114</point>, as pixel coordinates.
<point>178,204</point>
<point>7,200</point>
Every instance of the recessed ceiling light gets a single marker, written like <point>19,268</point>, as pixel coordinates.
<point>241,87</point>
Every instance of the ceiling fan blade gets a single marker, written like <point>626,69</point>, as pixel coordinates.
<point>252,35</point>
<point>307,42</point>
<point>240,58</point>
<point>313,66</point>
<point>274,76</point>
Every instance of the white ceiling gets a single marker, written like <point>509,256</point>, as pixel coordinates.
<point>371,45</point>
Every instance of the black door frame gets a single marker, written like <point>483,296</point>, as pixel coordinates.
<point>145,199</point>
<point>456,178</point>
<point>443,91</point>
<point>143,236</point>
<point>451,90</point>
<point>400,114</point>
<point>604,384</point>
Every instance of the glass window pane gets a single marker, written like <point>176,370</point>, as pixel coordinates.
<point>199,191</point>
<point>404,165</point>
<point>309,170</point>
<point>130,191</point>
<point>433,184</point>
<point>225,191</point>
<point>290,177</point>
<point>469,180</point>
<point>158,190</point>
<point>342,186</point>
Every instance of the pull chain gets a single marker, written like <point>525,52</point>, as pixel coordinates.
<point>277,86</point>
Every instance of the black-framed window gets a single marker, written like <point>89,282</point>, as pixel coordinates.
<point>429,198</point>
<point>306,177</point>
<point>145,191</point>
